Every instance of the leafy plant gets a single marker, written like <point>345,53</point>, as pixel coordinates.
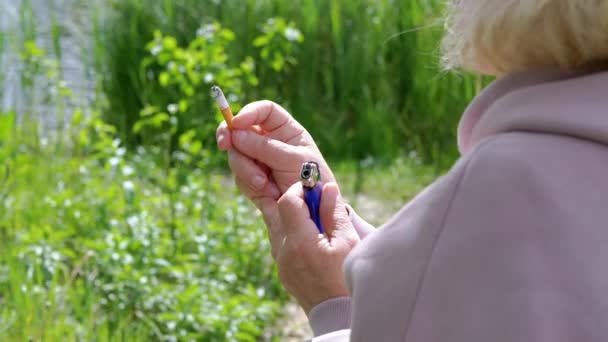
<point>97,242</point>
<point>276,43</point>
<point>185,74</point>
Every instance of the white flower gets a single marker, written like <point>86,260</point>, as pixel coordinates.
<point>115,256</point>
<point>143,280</point>
<point>132,221</point>
<point>206,31</point>
<point>37,250</point>
<point>173,108</point>
<point>83,170</point>
<point>128,259</point>
<point>156,49</point>
<point>128,170</point>
<point>230,277</point>
<point>114,161</point>
<point>208,77</point>
<point>292,34</point>
<point>128,186</point>
<point>55,256</point>
<point>171,325</point>
<point>121,151</point>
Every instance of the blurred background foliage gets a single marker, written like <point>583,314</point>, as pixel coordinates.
<point>118,220</point>
<point>362,76</point>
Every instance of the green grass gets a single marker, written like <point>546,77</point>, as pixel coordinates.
<point>378,190</point>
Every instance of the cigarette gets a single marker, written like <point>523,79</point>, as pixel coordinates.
<point>217,93</point>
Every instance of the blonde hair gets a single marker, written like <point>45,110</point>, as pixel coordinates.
<point>505,36</point>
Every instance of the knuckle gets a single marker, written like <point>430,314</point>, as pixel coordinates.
<point>351,242</point>
<point>267,103</point>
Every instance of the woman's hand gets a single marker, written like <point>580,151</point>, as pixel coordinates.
<point>266,150</point>
<point>309,263</point>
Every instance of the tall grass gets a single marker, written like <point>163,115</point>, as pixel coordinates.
<point>367,80</point>
<point>2,62</point>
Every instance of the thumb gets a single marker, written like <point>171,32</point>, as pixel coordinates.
<point>274,153</point>
<point>334,215</point>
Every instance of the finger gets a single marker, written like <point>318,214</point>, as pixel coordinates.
<point>254,182</point>
<point>268,207</point>
<point>223,137</point>
<point>267,114</point>
<point>274,153</point>
<point>276,234</point>
<point>273,119</point>
<point>295,215</point>
<point>334,215</point>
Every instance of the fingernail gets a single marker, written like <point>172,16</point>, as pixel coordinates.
<point>259,182</point>
<point>220,138</point>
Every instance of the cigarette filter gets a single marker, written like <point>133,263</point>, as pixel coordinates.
<point>217,93</point>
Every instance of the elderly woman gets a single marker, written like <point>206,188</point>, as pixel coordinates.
<point>510,245</point>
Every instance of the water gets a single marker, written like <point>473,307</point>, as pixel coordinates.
<point>72,16</point>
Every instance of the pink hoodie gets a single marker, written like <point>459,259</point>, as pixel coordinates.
<point>511,244</point>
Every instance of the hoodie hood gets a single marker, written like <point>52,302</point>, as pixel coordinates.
<point>572,104</point>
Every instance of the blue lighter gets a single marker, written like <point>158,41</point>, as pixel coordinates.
<point>311,182</point>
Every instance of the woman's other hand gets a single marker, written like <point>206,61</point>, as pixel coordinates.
<point>309,263</point>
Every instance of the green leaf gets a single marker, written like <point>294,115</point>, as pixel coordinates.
<point>164,78</point>
<point>183,105</point>
<point>261,40</point>
<point>148,110</point>
<point>160,118</point>
<point>278,62</point>
<point>137,127</point>
<point>7,124</point>
<point>169,43</point>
